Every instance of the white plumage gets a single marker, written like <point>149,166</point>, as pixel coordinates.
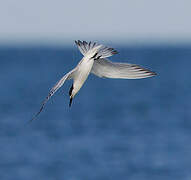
<point>94,61</point>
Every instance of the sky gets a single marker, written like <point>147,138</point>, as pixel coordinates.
<point>62,21</point>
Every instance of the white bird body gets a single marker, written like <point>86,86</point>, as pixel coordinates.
<point>94,61</point>
<point>82,72</point>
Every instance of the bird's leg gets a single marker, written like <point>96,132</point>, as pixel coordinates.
<point>94,56</point>
<point>97,58</point>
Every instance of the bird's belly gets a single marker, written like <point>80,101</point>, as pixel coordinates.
<point>82,74</point>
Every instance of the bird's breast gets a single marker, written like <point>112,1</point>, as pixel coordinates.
<point>84,70</point>
<point>82,73</point>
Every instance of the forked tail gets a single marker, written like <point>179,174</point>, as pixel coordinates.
<point>97,50</point>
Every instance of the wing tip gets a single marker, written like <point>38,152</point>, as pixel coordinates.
<point>145,71</point>
<point>153,73</point>
<point>114,52</point>
<point>78,42</point>
<point>149,73</point>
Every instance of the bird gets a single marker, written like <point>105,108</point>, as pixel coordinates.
<point>95,61</point>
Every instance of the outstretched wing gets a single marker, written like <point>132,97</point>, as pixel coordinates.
<point>100,51</point>
<point>108,69</point>
<point>53,90</point>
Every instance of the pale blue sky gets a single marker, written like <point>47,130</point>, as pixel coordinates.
<point>62,21</point>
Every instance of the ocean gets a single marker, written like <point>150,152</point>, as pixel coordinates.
<point>115,129</point>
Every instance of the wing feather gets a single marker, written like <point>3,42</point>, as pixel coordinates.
<point>108,69</point>
<point>68,76</point>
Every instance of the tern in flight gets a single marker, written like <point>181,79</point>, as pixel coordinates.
<point>94,61</point>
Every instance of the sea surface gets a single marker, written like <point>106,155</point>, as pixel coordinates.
<point>115,129</point>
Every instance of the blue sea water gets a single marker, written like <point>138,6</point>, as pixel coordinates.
<point>115,129</point>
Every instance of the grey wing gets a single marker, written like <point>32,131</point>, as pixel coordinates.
<point>108,69</point>
<point>68,76</point>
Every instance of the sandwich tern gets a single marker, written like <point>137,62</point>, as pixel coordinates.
<point>94,61</point>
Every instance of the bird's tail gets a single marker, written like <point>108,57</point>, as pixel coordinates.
<point>96,50</point>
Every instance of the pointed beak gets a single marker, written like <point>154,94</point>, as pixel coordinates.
<point>70,103</point>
